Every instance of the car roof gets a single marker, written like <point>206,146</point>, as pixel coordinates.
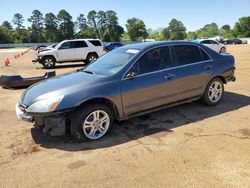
<point>147,45</point>
<point>80,40</point>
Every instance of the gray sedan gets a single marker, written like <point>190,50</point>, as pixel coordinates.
<point>127,82</point>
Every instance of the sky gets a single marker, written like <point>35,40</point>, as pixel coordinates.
<point>194,14</point>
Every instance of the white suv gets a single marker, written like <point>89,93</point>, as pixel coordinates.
<point>75,50</point>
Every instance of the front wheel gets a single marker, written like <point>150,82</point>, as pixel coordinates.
<point>214,92</point>
<point>222,50</point>
<point>91,122</point>
<point>48,62</point>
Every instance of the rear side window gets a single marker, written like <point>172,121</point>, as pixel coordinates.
<point>204,55</point>
<point>95,42</point>
<point>78,44</point>
<point>187,54</point>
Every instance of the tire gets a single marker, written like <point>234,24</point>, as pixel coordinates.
<point>213,97</point>
<point>49,62</point>
<point>91,57</point>
<point>84,127</point>
<point>222,50</point>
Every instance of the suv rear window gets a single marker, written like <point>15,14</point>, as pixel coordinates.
<point>187,54</point>
<point>95,42</point>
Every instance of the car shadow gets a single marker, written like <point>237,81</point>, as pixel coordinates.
<point>157,124</point>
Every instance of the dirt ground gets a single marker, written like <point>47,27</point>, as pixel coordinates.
<point>185,146</point>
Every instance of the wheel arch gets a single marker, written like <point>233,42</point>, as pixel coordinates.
<point>102,100</point>
<point>49,56</point>
<point>92,53</point>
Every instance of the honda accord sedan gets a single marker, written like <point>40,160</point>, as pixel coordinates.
<point>127,82</point>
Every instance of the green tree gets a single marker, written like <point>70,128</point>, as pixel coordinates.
<point>177,30</point>
<point>7,25</point>
<point>191,35</point>
<point>113,31</point>
<point>18,20</point>
<point>5,34</point>
<point>84,29</point>
<point>209,30</point>
<point>66,25</point>
<point>136,29</point>
<point>166,34</point>
<point>226,27</point>
<point>92,21</point>
<point>50,23</point>
<point>36,26</point>
<point>242,27</point>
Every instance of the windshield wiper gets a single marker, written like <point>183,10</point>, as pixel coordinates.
<point>89,72</point>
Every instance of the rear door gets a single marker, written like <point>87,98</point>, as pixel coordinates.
<point>194,69</point>
<point>150,87</point>
<point>81,49</point>
<point>66,52</point>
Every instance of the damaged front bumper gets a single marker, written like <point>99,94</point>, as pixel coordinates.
<point>37,60</point>
<point>52,123</point>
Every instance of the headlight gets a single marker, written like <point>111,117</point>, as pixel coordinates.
<point>45,105</point>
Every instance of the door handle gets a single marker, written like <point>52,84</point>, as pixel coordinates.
<point>208,67</point>
<point>169,76</point>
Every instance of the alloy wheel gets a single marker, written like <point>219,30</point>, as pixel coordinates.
<point>96,124</point>
<point>215,92</point>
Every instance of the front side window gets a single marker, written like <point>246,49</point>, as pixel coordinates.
<point>187,54</point>
<point>153,60</point>
<point>65,45</point>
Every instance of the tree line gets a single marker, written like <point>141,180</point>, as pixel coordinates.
<point>105,26</point>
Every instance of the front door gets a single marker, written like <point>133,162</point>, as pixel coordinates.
<point>150,83</point>
<point>66,52</point>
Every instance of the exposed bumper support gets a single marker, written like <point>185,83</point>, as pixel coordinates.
<point>54,124</point>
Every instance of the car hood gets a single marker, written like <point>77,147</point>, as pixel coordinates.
<point>62,85</point>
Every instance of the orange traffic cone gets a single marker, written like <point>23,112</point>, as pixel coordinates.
<point>7,62</point>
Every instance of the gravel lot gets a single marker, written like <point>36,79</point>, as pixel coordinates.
<point>185,146</point>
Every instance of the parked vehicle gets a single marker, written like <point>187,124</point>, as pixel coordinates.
<point>213,44</point>
<point>71,51</point>
<point>126,82</point>
<point>112,46</point>
<point>233,41</point>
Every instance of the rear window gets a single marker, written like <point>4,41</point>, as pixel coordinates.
<point>187,54</point>
<point>95,42</point>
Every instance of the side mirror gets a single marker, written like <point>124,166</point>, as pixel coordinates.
<point>131,75</point>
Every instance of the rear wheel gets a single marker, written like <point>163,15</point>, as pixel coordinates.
<point>48,62</point>
<point>222,50</point>
<point>91,122</point>
<point>214,92</point>
<point>91,57</point>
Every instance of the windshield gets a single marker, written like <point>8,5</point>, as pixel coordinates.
<point>112,62</point>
